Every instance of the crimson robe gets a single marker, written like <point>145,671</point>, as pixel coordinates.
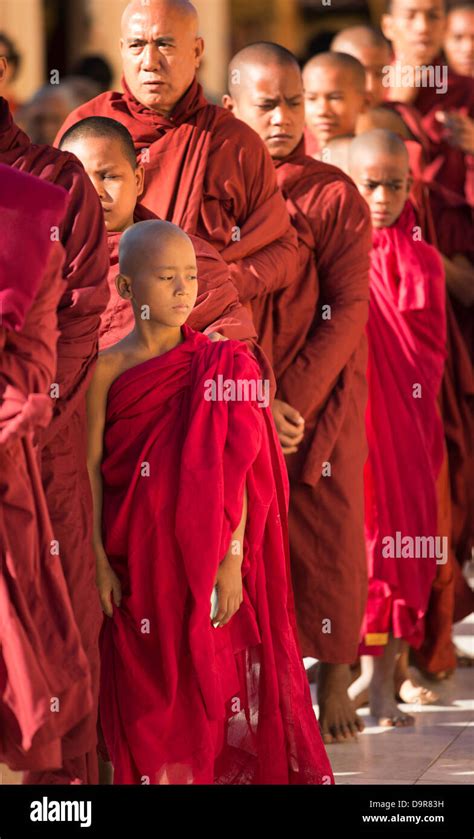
<point>212,175</point>
<point>217,308</point>
<point>319,358</point>
<point>407,337</point>
<point>63,456</point>
<point>41,657</point>
<point>185,702</point>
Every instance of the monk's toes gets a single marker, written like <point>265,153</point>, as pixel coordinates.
<point>397,721</point>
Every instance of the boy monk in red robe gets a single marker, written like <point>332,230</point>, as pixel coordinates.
<point>63,442</point>
<point>458,45</point>
<point>186,700</point>
<point>335,95</point>
<point>407,333</point>
<point>105,149</point>
<point>203,171</point>
<point>45,688</point>
<point>314,332</point>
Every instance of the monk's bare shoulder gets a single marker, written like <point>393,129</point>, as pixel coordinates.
<point>110,364</point>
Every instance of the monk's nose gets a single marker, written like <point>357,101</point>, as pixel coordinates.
<point>421,22</point>
<point>150,57</point>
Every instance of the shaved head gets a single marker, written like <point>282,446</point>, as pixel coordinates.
<point>337,153</point>
<point>358,36</point>
<point>152,8</point>
<point>146,240</point>
<point>377,143</point>
<point>379,166</point>
<point>259,54</point>
<point>103,127</point>
<point>337,61</point>
<point>161,51</point>
<point>266,92</point>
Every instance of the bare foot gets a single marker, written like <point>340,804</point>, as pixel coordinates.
<point>338,718</point>
<point>381,699</point>
<point>407,688</point>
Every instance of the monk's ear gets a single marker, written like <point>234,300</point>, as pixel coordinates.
<point>123,286</point>
<point>386,25</point>
<point>140,179</point>
<point>3,67</point>
<point>366,103</point>
<point>409,183</point>
<point>198,51</point>
<point>228,102</point>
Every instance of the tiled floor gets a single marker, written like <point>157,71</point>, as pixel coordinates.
<point>438,749</point>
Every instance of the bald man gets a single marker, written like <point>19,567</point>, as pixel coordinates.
<point>459,39</point>
<point>63,444</point>
<point>335,95</point>
<point>42,116</point>
<point>314,332</point>
<point>203,171</point>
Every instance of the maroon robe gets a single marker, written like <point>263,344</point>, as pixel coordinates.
<point>41,657</point>
<point>319,364</point>
<point>63,455</point>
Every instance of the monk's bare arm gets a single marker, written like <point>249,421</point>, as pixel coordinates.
<point>106,370</point>
<point>460,278</point>
<point>229,573</point>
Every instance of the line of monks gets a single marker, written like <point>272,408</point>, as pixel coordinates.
<point>329,228</point>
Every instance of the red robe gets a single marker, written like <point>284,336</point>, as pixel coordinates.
<point>41,657</point>
<point>63,455</point>
<point>217,308</point>
<point>407,336</point>
<point>319,365</point>
<point>212,175</point>
<point>184,702</point>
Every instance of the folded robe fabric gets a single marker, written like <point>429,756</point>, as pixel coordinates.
<point>181,701</point>
<point>407,336</point>
<point>44,676</point>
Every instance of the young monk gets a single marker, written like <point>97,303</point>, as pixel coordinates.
<point>459,39</point>
<point>367,45</point>
<point>105,149</point>
<point>314,333</point>
<point>335,95</point>
<point>181,695</point>
<point>407,333</point>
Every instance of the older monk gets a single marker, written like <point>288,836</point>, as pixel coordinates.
<point>204,171</point>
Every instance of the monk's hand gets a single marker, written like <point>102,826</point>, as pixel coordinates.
<point>459,130</point>
<point>289,425</point>
<point>229,590</point>
<point>216,336</point>
<point>107,582</point>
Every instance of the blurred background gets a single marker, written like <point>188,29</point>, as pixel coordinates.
<point>80,37</point>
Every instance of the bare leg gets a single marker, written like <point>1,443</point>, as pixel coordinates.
<point>106,772</point>
<point>406,687</point>
<point>338,719</point>
<point>381,698</point>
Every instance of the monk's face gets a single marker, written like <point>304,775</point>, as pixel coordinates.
<point>416,29</point>
<point>161,53</point>
<point>459,41</point>
<point>332,103</point>
<point>117,184</point>
<point>383,180</point>
<point>164,281</point>
<point>44,116</point>
<point>271,102</point>
<point>373,59</point>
